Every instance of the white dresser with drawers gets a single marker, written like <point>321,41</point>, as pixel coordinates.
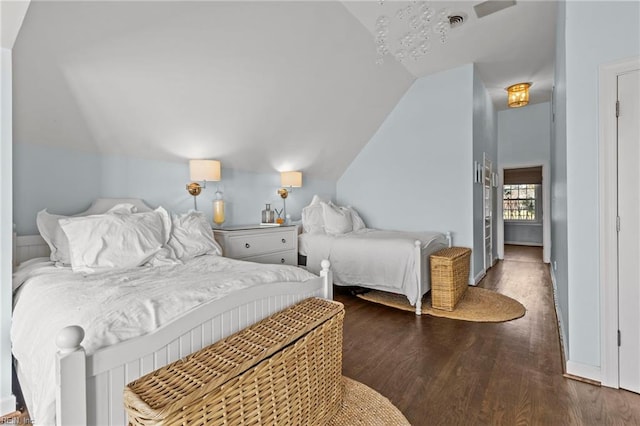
<point>271,244</point>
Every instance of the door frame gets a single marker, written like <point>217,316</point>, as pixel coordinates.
<point>608,211</point>
<point>546,207</point>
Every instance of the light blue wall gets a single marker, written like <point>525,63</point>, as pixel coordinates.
<point>66,181</point>
<point>7,398</point>
<point>529,234</point>
<point>559,248</point>
<point>524,138</point>
<point>484,141</point>
<point>596,33</point>
<point>416,171</point>
<point>524,135</point>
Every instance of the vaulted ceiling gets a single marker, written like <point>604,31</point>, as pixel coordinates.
<point>260,85</point>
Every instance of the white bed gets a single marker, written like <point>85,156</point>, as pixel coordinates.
<point>130,322</point>
<point>392,261</point>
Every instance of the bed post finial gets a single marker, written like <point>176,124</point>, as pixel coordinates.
<point>69,339</point>
<point>71,377</point>
<point>325,264</point>
<point>328,279</point>
<point>449,238</point>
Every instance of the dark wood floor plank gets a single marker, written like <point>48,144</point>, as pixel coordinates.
<point>441,372</point>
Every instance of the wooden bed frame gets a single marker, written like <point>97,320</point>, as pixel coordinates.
<point>89,389</point>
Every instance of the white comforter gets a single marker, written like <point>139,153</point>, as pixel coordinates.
<point>372,258</point>
<point>112,307</point>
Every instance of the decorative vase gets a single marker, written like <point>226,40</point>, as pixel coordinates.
<point>279,220</point>
<point>268,215</point>
<point>218,209</point>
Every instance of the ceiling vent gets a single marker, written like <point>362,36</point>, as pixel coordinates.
<point>457,19</point>
<point>492,6</point>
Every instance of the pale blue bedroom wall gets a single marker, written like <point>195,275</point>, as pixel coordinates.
<point>524,134</point>
<point>66,181</point>
<point>596,33</point>
<point>559,249</point>
<point>416,171</point>
<point>484,141</point>
<point>524,138</point>
<point>7,398</point>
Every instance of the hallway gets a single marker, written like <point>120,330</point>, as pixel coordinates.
<point>441,371</point>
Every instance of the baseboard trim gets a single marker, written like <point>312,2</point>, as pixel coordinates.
<point>523,243</point>
<point>561,329</point>
<point>583,371</point>
<point>7,405</point>
<point>479,277</point>
<point>581,379</point>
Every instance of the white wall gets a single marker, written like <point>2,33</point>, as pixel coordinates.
<point>596,33</point>
<point>484,141</point>
<point>66,181</point>
<point>524,139</point>
<point>7,400</point>
<point>416,172</point>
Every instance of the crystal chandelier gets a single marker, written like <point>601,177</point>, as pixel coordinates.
<point>408,32</point>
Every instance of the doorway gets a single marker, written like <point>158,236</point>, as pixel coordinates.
<point>620,224</point>
<point>523,200</point>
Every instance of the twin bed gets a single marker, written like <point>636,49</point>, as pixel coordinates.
<point>391,261</point>
<point>80,333</point>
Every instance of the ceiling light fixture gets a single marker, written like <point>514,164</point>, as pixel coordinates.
<point>406,32</point>
<point>518,95</point>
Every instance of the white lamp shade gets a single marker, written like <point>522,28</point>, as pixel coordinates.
<point>201,170</point>
<point>291,179</point>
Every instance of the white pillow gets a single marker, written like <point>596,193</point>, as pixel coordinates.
<point>191,236</point>
<point>115,240</point>
<point>358,223</point>
<point>51,232</point>
<point>312,217</point>
<point>336,220</point>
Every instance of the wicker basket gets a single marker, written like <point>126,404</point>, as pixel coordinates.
<point>449,277</point>
<point>286,369</point>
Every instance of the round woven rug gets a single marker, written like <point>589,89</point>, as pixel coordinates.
<point>363,406</point>
<point>477,305</point>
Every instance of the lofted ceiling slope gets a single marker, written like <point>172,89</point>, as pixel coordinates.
<point>261,86</point>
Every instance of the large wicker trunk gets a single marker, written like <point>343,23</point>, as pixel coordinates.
<point>286,369</point>
<point>449,276</point>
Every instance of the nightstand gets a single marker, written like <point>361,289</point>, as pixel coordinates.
<point>276,244</point>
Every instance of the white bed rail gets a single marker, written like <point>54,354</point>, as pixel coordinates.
<point>89,388</point>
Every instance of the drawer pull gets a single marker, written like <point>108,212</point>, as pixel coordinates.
<point>282,260</point>
<point>247,245</point>
<point>284,241</point>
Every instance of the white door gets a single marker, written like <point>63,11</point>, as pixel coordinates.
<point>629,233</point>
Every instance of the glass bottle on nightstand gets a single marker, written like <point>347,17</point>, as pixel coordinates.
<point>268,215</point>
<point>218,209</point>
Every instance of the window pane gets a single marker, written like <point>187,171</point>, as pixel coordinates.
<point>519,202</point>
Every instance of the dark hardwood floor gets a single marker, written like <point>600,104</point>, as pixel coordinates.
<point>441,372</point>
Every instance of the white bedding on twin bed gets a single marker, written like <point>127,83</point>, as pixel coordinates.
<point>112,307</point>
<point>372,258</point>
